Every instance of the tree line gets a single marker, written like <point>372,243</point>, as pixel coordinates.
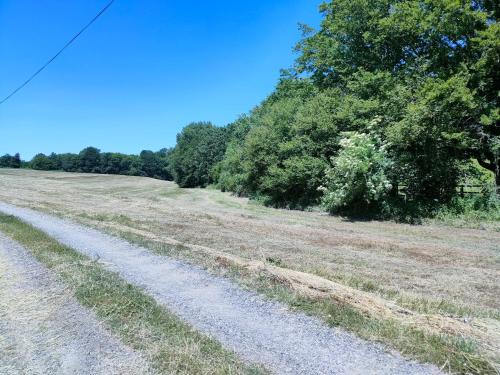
<point>92,160</point>
<point>385,94</point>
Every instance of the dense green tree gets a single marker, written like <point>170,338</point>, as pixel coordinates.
<point>116,163</point>
<point>10,161</point>
<point>68,162</point>
<point>230,173</point>
<point>200,146</point>
<point>292,136</point>
<point>156,164</point>
<point>90,160</point>
<point>16,161</point>
<point>444,54</point>
<point>43,162</point>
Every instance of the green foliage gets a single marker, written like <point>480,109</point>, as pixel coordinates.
<point>43,162</point>
<point>472,208</point>
<point>200,146</point>
<point>229,173</point>
<point>156,164</point>
<point>91,160</point>
<point>444,56</point>
<point>10,161</point>
<point>279,151</point>
<point>294,184</point>
<point>358,179</point>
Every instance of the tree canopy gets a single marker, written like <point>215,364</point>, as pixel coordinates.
<point>10,161</point>
<point>199,147</point>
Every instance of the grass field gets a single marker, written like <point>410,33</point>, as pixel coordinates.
<point>430,291</point>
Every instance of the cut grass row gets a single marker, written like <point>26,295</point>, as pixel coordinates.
<point>169,344</point>
<point>417,303</point>
<point>451,353</point>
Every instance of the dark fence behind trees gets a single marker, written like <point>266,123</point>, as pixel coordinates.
<point>462,190</point>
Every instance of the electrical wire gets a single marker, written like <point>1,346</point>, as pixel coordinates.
<point>59,52</point>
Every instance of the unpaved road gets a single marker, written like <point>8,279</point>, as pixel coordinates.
<point>256,329</point>
<point>43,330</point>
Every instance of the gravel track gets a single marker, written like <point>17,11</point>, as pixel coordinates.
<point>43,330</point>
<point>257,329</point>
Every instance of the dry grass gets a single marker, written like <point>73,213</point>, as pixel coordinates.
<point>44,330</point>
<point>452,274</point>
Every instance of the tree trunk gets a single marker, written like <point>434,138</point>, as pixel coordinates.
<point>493,166</point>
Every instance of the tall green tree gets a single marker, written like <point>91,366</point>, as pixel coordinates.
<point>43,162</point>
<point>90,160</point>
<point>200,146</point>
<point>445,56</point>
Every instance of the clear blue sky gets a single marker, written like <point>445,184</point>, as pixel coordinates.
<point>141,72</point>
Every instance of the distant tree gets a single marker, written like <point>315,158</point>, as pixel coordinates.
<point>165,172</point>
<point>90,160</point>
<point>69,162</point>
<point>111,163</point>
<point>5,161</point>
<point>16,161</point>
<point>149,163</point>
<point>55,160</point>
<point>42,162</point>
<point>9,161</point>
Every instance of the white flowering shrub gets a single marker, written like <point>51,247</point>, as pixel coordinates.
<point>358,176</point>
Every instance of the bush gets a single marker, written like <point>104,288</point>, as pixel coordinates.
<point>357,181</point>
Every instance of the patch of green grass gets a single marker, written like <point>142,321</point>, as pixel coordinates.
<point>455,354</point>
<point>169,344</point>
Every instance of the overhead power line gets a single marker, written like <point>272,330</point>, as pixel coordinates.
<point>59,52</point>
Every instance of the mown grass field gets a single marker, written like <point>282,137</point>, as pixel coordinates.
<point>357,275</point>
<point>167,343</point>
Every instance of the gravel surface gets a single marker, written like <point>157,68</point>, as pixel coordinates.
<point>43,330</point>
<point>257,329</point>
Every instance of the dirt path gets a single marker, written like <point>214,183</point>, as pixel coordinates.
<point>256,329</point>
<point>43,330</point>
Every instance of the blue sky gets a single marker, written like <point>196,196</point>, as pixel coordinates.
<point>143,71</point>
